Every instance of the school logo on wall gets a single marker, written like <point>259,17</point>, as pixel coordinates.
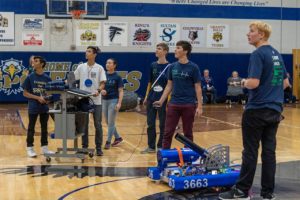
<point>218,36</point>
<point>33,23</point>
<point>168,33</point>
<point>141,34</point>
<point>194,33</point>
<point>12,74</point>
<point>3,21</point>
<point>115,34</point>
<point>88,35</point>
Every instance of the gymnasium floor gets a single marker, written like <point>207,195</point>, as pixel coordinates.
<point>121,172</point>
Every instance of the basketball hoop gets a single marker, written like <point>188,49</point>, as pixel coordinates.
<point>77,14</point>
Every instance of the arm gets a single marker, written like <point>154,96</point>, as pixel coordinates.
<point>147,92</point>
<point>166,93</point>
<point>286,83</point>
<point>250,83</point>
<point>198,91</point>
<point>35,97</point>
<point>121,93</point>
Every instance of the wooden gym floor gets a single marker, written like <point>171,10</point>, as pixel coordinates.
<point>121,172</point>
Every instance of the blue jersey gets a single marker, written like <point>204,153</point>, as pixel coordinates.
<point>35,84</point>
<point>157,90</point>
<point>184,77</point>
<point>266,64</point>
<point>112,85</point>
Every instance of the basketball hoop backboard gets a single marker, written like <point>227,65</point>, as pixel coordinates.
<point>94,9</point>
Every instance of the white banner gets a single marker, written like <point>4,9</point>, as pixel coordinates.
<point>88,33</point>
<point>7,28</point>
<point>218,36</point>
<point>33,23</point>
<point>168,33</point>
<point>33,39</point>
<point>115,34</point>
<point>141,34</point>
<point>194,33</point>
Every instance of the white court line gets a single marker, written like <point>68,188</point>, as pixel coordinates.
<point>224,122</point>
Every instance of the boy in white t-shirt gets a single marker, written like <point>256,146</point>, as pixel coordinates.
<point>92,79</point>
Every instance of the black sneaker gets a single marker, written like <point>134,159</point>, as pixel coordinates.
<point>234,193</point>
<point>107,145</point>
<point>117,142</point>
<point>268,196</point>
<point>99,152</point>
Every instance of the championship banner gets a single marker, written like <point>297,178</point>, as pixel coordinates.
<point>141,34</point>
<point>217,36</point>
<point>194,33</point>
<point>115,34</point>
<point>7,28</point>
<point>33,39</point>
<point>88,33</point>
<point>168,33</point>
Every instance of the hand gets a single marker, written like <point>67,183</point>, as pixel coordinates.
<point>199,111</point>
<point>157,103</point>
<point>145,101</point>
<point>96,94</point>
<point>118,106</point>
<point>42,100</point>
<point>103,92</point>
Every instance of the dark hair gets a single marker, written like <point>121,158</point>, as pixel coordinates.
<point>164,46</point>
<point>114,61</point>
<point>95,49</point>
<point>185,45</point>
<point>41,59</point>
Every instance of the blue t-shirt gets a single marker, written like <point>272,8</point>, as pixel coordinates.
<point>159,87</point>
<point>266,64</point>
<point>184,77</point>
<point>207,81</point>
<point>112,85</point>
<point>35,84</point>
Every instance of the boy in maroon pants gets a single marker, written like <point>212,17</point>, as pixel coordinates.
<point>184,83</point>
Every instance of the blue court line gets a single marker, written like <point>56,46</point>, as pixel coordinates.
<point>82,188</point>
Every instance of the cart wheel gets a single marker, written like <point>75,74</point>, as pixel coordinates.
<point>91,154</point>
<point>48,159</point>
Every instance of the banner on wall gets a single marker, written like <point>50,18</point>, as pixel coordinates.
<point>7,28</point>
<point>194,33</point>
<point>217,36</point>
<point>115,34</point>
<point>33,39</point>
<point>88,33</point>
<point>168,33</point>
<point>141,34</point>
<point>33,23</point>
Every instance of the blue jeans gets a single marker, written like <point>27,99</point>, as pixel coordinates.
<point>110,114</point>
<point>98,127</point>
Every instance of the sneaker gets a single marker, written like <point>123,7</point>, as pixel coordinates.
<point>31,153</point>
<point>107,145</point>
<point>117,142</point>
<point>234,193</point>
<point>268,196</point>
<point>148,150</point>
<point>99,152</point>
<point>45,150</point>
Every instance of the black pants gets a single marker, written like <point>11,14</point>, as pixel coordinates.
<point>151,119</point>
<point>259,125</point>
<point>44,129</point>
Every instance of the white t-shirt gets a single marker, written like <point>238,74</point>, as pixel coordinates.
<point>95,73</point>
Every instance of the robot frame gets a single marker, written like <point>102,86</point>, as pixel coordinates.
<point>194,167</point>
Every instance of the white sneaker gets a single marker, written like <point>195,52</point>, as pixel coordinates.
<point>30,152</point>
<point>45,150</point>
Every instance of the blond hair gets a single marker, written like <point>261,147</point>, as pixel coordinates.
<point>263,28</point>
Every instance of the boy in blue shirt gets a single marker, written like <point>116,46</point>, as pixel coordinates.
<point>34,90</point>
<point>266,82</point>
<point>186,97</point>
<point>153,94</point>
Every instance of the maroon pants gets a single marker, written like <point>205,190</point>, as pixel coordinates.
<point>174,112</point>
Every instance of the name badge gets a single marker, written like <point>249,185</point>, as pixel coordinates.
<point>158,88</point>
<point>88,82</point>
